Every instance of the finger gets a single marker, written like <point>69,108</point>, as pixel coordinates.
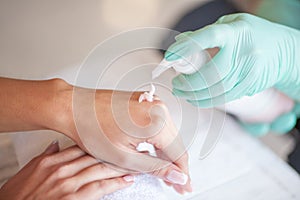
<point>52,148</point>
<point>296,109</point>
<point>178,189</point>
<point>284,123</point>
<point>67,155</point>
<point>94,173</point>
<point>168,183</point>
<point>216,70</point>
<point>40,171</point>
<point>183,35</point>
<point>211,36</point>
<point>172,147</point>
<point>210,92</point>
<point>212,102</point>
<point>256,129</point>
<point>184,47</point>
<point>227,18</point>
<point>245,87</point>
<point>140,162</point>
<point>56,170</point>
<point>220,88</point>
<point>69,169</point>
<point>148,164</point>
<point>98,189</point>
<point>182,50</point>
<point>178,172</point>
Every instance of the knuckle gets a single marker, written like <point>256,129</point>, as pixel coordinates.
<point>101,167</point>
<point>66,185</point>
<point>44,162</point>
<point>62,170</point>
<point>162,172</point>
<point>104,186</point>
<point>216,33</point>
<point>118,181</point>
<point>98,184</point>
<point>244,16</point>
<point>162,105</point>
<point>160,108</point>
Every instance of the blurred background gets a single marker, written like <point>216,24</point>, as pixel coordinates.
<point>53,34</point>
<point>41,37</point>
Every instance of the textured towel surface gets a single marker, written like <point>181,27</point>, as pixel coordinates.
<point>145,187</point>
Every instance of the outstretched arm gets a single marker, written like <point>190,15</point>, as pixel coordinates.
<point>31,105</point>
<point>106,124</point>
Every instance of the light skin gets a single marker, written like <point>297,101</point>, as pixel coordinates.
<point>49,104</point>
<point>68,174</point>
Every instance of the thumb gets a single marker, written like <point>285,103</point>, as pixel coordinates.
<point>52,148</point>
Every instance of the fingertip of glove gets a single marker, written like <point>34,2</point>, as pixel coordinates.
<point>257,130</point>
<point>284,124</point>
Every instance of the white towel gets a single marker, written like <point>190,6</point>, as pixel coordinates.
<point>145,187</point>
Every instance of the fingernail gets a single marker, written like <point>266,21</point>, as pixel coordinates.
<point>177,177</point>
<point>128,178</point>
<point>189,188</point>
<point>52,147</point>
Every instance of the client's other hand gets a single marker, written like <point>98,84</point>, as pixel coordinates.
<point>69,174</point>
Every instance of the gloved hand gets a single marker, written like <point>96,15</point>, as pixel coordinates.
<point>281,125</point>
<point>254,55</point>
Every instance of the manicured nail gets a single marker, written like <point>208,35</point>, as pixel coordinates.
<point>128,178</point>
<point>177,177</point>
<point>189,187</point>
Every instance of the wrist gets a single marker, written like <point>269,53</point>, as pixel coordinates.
<point>59,108</point>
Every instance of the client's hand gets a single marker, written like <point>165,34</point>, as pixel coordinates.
<point>69,174</point>
<point>106,124</point>
<point>110,124</point>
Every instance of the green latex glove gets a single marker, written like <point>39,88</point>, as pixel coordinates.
<point>281,125</point>
<point>254,55</point>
